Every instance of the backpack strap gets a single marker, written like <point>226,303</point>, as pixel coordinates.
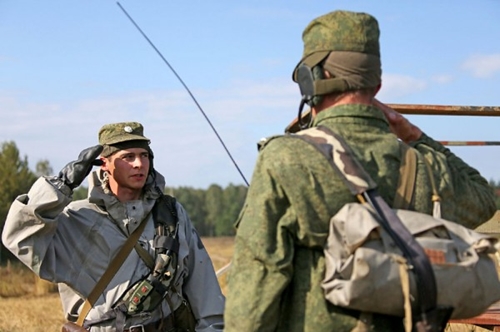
<point>436,199</point>
<point>406,182</point>
<point>407,176</point>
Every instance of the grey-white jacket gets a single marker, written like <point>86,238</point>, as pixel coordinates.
<point>73,243</point>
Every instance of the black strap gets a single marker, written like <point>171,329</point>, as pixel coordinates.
<point>166,240</point>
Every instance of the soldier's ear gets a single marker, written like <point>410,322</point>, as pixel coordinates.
<point>105,162</point>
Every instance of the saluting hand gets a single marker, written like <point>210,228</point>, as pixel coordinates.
<point>400,126</point>
<point>76,171</point>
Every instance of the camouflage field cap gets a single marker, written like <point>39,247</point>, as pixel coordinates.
<point>121,132</point>
<point>121,136</point>
<point>339,31</point>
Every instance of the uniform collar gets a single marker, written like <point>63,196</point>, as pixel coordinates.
<point>349,111</point>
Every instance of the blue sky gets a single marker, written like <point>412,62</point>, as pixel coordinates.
<point>68,67</point>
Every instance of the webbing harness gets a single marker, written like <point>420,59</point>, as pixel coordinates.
<point>163,269</point>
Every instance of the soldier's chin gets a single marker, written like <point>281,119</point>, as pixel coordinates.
<point>138,183</point>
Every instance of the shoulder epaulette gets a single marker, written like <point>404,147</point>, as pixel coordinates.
<point>264,141</point>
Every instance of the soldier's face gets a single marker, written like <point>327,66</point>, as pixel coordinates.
<point>128,169</point>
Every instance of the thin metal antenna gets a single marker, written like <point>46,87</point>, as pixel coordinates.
<point>187,89</point>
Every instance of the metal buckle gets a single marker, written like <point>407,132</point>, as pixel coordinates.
<point>137,328</point>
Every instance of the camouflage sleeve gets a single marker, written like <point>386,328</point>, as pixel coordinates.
<point>262,262</point>
<point>466,196</point>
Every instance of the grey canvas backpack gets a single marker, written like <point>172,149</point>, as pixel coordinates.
<point>400,262</point>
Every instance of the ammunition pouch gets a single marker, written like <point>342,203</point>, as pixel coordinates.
<point>144,296</point>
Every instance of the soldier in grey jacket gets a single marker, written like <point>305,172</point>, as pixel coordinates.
<point>73,243</point>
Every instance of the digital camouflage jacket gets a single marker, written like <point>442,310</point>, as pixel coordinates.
<point>278,264</point>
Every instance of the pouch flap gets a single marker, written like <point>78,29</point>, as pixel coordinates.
<point>356,221</point>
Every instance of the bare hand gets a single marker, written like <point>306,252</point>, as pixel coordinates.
<point>399,125</point>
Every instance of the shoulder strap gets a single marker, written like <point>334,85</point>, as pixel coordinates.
<point>406,182</point>
<point>407,176</point>
<point>436,199</point>
<point>111,271</point>
<point>166,240</point>
<point>164,215</point>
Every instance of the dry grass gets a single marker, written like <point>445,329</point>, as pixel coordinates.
<point>220,250</point>
<point>464,328</point>
<point>28,304</point>
<point>31,314</point>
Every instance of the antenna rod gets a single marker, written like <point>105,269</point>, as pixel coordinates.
<point>187,89</point>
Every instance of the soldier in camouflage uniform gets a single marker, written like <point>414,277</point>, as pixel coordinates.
<point>278,264</point>
<point>73,243</point>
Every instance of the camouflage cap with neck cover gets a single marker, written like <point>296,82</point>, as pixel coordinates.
<point>342,31</point>
<point>120,136</point>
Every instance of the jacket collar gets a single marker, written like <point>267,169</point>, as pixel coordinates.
<point>100,195</point>
<point>350,111</point>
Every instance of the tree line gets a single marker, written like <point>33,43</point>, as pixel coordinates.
<point>213,211</point>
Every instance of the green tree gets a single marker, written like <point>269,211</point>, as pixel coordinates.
<point>193,201</point>
<point>212,211</point>
<point>80,192</point>
<point>43,168</point>
<point>214,206</point>
<point>15,178</point>
<point>233,200</point>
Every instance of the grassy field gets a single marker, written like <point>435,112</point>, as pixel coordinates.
<point>28,304</point>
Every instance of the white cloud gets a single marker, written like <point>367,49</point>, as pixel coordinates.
<point>482,66</point>
<point>395,86</point>
<point>442,79</point>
